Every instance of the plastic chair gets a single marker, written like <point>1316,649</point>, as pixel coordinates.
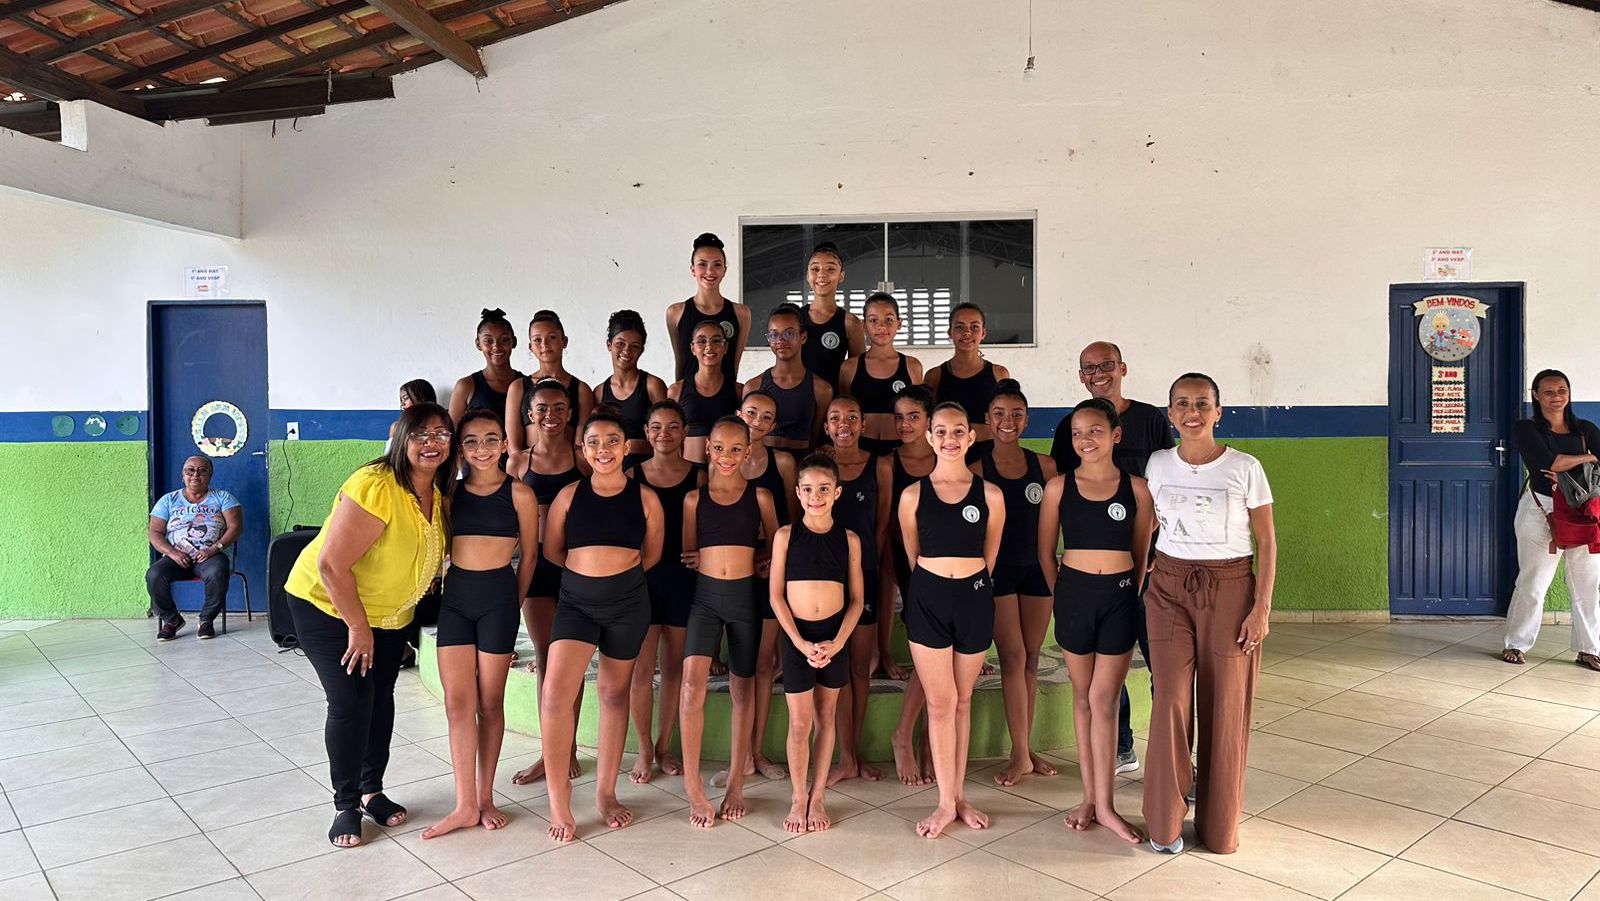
<point>234,573</point>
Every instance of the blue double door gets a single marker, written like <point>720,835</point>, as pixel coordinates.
<point>1454,474</point>
<point>208,374</point>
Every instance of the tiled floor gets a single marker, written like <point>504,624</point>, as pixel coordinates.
<point>1397,761</point>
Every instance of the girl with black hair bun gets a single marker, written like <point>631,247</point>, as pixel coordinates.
<point>706,394</point>
<point>1022,603</point>
<point>876,377</point>
<point>547,341</point>
<point>967,378</point>
<point>486,389</point>
<point>832,332</point>
<point>630,388</point>
<point>708,263</point>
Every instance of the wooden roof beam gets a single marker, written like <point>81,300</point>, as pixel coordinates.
<point>184,60</point>
<point>430,31</point>
<point>53,84</point>
<point>94,39</point>
<point>262,101</point>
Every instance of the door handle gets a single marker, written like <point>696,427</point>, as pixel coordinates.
<point>1501,450</point>
<point>264,453</point>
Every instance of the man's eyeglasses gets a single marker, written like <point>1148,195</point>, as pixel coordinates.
<point>1107,366</point>
<point>437,436</point>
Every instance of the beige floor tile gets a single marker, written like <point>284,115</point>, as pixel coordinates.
<point>407,763</point>
<point>448,892</point>
<point>1298,859</point>
<point>769,804</point>
<point>243,678</point>
<point>161,717</point>
<point>1563,669</point>
<point>1426,790</point>
<point>17,773</point>
<point>1493,733</point>
<point>1529,712</point>
<point>669,847</point>
<point>421,724</point>
<point>1324,672</point>
<point>381,871</point>
<point>149,872</point>
<point>213,768</point>
<point>1353,819</point>
<point>1385,711</point>
<point>145,691</point>
<point>1507,861</point>
<point>1398,642</point>
<point>111,643</point>
<point>69,841</point>
<point>1403,879</point>
<point>1533,685</point>
<point>1194,878</point>
<point>8,817</point>
<point>1454,672</point>
<point>288,693</point>
<point>1263,789</point>
<point>1094,860</point>
<point>37,690</point>
<point>1330,731</point>
<point>16,857</point>
<point>49,710</point>
<point>878,849</point>
<point>1296,759</point>
<point>32,887</point>
<point>116,660</point>
<point>228,890</point>
<point>467,851</point>
<point>772,867</point>
<point>979,875</point>
<point>284,838</point>
<point>1558,781</point>
<point>202,738</point>
<point>272,724</point>
<point>1322,631</point>
<point>583,873</point>
<point>1058,792</point>
<point>1295,692</point>
<point>1421,691</point>
<point>1264,711</point>
<point>426,801</point>
<point>1007,812</point>
<point>90,794</point>
<point>251,799</point>
<point>1554,822</point>
<point>1367,658</point>
<point>52,737</point>
<point>1575,750</point>
<point>1441,755</point>
<point>1294,645</point>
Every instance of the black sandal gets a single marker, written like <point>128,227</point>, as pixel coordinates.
<point>382,810</point>
<point>1588,661</point>
<point>345,822</point>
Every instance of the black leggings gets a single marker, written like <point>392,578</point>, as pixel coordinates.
<point>360,708</point>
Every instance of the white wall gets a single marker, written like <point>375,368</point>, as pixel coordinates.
<point>1298,162</point>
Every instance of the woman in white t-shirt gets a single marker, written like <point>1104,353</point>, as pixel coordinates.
<point>1207,604</point>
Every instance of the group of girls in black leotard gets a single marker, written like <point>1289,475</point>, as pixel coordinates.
<point>672,525</point>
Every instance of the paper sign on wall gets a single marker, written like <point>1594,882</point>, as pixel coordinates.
<point>1447,264</point>
<point>205,281</point>
<point>1449,396</point>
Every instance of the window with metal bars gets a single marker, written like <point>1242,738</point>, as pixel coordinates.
<point>930,265</point>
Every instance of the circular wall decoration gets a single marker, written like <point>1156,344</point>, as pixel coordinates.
<point>62,425</point>
<point>219,447</point>
<point>128,424</point>
<point>94,426</point>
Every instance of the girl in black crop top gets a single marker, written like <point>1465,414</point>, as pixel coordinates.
<point>877,376</point>
<point>630,389</point>
<point>708,264</point>
<point>547,342</point>
<point>486,389</point>
<point>491,517</point>
<point>951,522</point>
<point>708,393</point>
<point>1105,517</point>
<point>967,378</point>
<point>816,594</point>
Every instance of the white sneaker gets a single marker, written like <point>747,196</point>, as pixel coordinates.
<point>1127,763</point>
<point>1174,848</point>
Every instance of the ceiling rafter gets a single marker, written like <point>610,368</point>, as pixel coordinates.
<point>430,31</point>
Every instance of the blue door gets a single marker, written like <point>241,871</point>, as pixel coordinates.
<point>1453,470</point>
<point>211,356</point>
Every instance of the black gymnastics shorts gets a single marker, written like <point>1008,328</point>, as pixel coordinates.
<point>725,604</point>
<point>546,578</point>
<point>611,612</point>
<point>1024,579</point>
<point>671,587</point>
<point>950,613</point>
<point>480,607</point>
<point>1097,614</point>
<point>799,675</point>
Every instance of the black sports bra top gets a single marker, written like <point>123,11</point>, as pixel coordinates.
<point>877,395</point>
<point>972,392</point>
<point>827,344</point>
<point>818,556</point>
<point>952,530</point>
<point>484,395</point>
<point>857,508</point>
<point>727,317</point>
<point>1098,525</point>
<point>547,485</point>
<point>671,498</point>
<point>597,521</point>
<point>735,525</point>
<point>772,480</point>
<point>529,381</point>
<point>484,514</point>
<point>797,407</point>
<point>700,411</point>
<point>635,407</point>
<point>1019,536</point>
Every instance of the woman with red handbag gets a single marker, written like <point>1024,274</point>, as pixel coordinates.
<point>1552,441</point>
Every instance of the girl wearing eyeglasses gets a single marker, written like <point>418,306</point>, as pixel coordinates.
<point>876,377</point>
<point>709,393</point>
<point>491,516</point>
<point>967,378</point>
<point>800,394</point>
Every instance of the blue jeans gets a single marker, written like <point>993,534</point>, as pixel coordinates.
<point>214,572</point>
<point>1124,710</point>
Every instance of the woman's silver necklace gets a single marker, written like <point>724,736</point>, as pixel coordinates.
<point>1194,468</point>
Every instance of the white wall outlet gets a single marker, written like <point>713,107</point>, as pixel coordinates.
<point>294,432</point>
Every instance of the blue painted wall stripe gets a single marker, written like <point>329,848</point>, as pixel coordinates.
<point>75,424</point>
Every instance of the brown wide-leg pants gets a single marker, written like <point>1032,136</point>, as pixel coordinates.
<point>1194,609</point>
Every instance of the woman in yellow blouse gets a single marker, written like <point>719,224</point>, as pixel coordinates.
<point>353,591</point>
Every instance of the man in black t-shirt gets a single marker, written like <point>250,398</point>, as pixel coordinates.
<point>1145,430</point>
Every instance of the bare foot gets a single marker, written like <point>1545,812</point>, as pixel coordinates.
<point>796,820</point>
<point>720,780</point>
<point>532,666</point>
<point>733,806</point>
<point>1079,818</point>
<point>575,770</point>
<point>773,771</point>
<point>491,817</point>
<point>848,768</point>
<point>718,668</point>
<point>896,672</point>
<point>701,813</point>
<point>1123,829</point>
<point>870,772</point>
<point>460,818</point>
<point>905,762</point>
<point>933,825</point>
<point>1015,770</point>
<point>818,820</point>
<point>988,669</point>
<point>643,769</point>
<point>972,816</point>
<point>669,764</point>
<point>531,774</point>
<point>1041,766</point>
<point>563,830</point>
<point>612,811</point>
